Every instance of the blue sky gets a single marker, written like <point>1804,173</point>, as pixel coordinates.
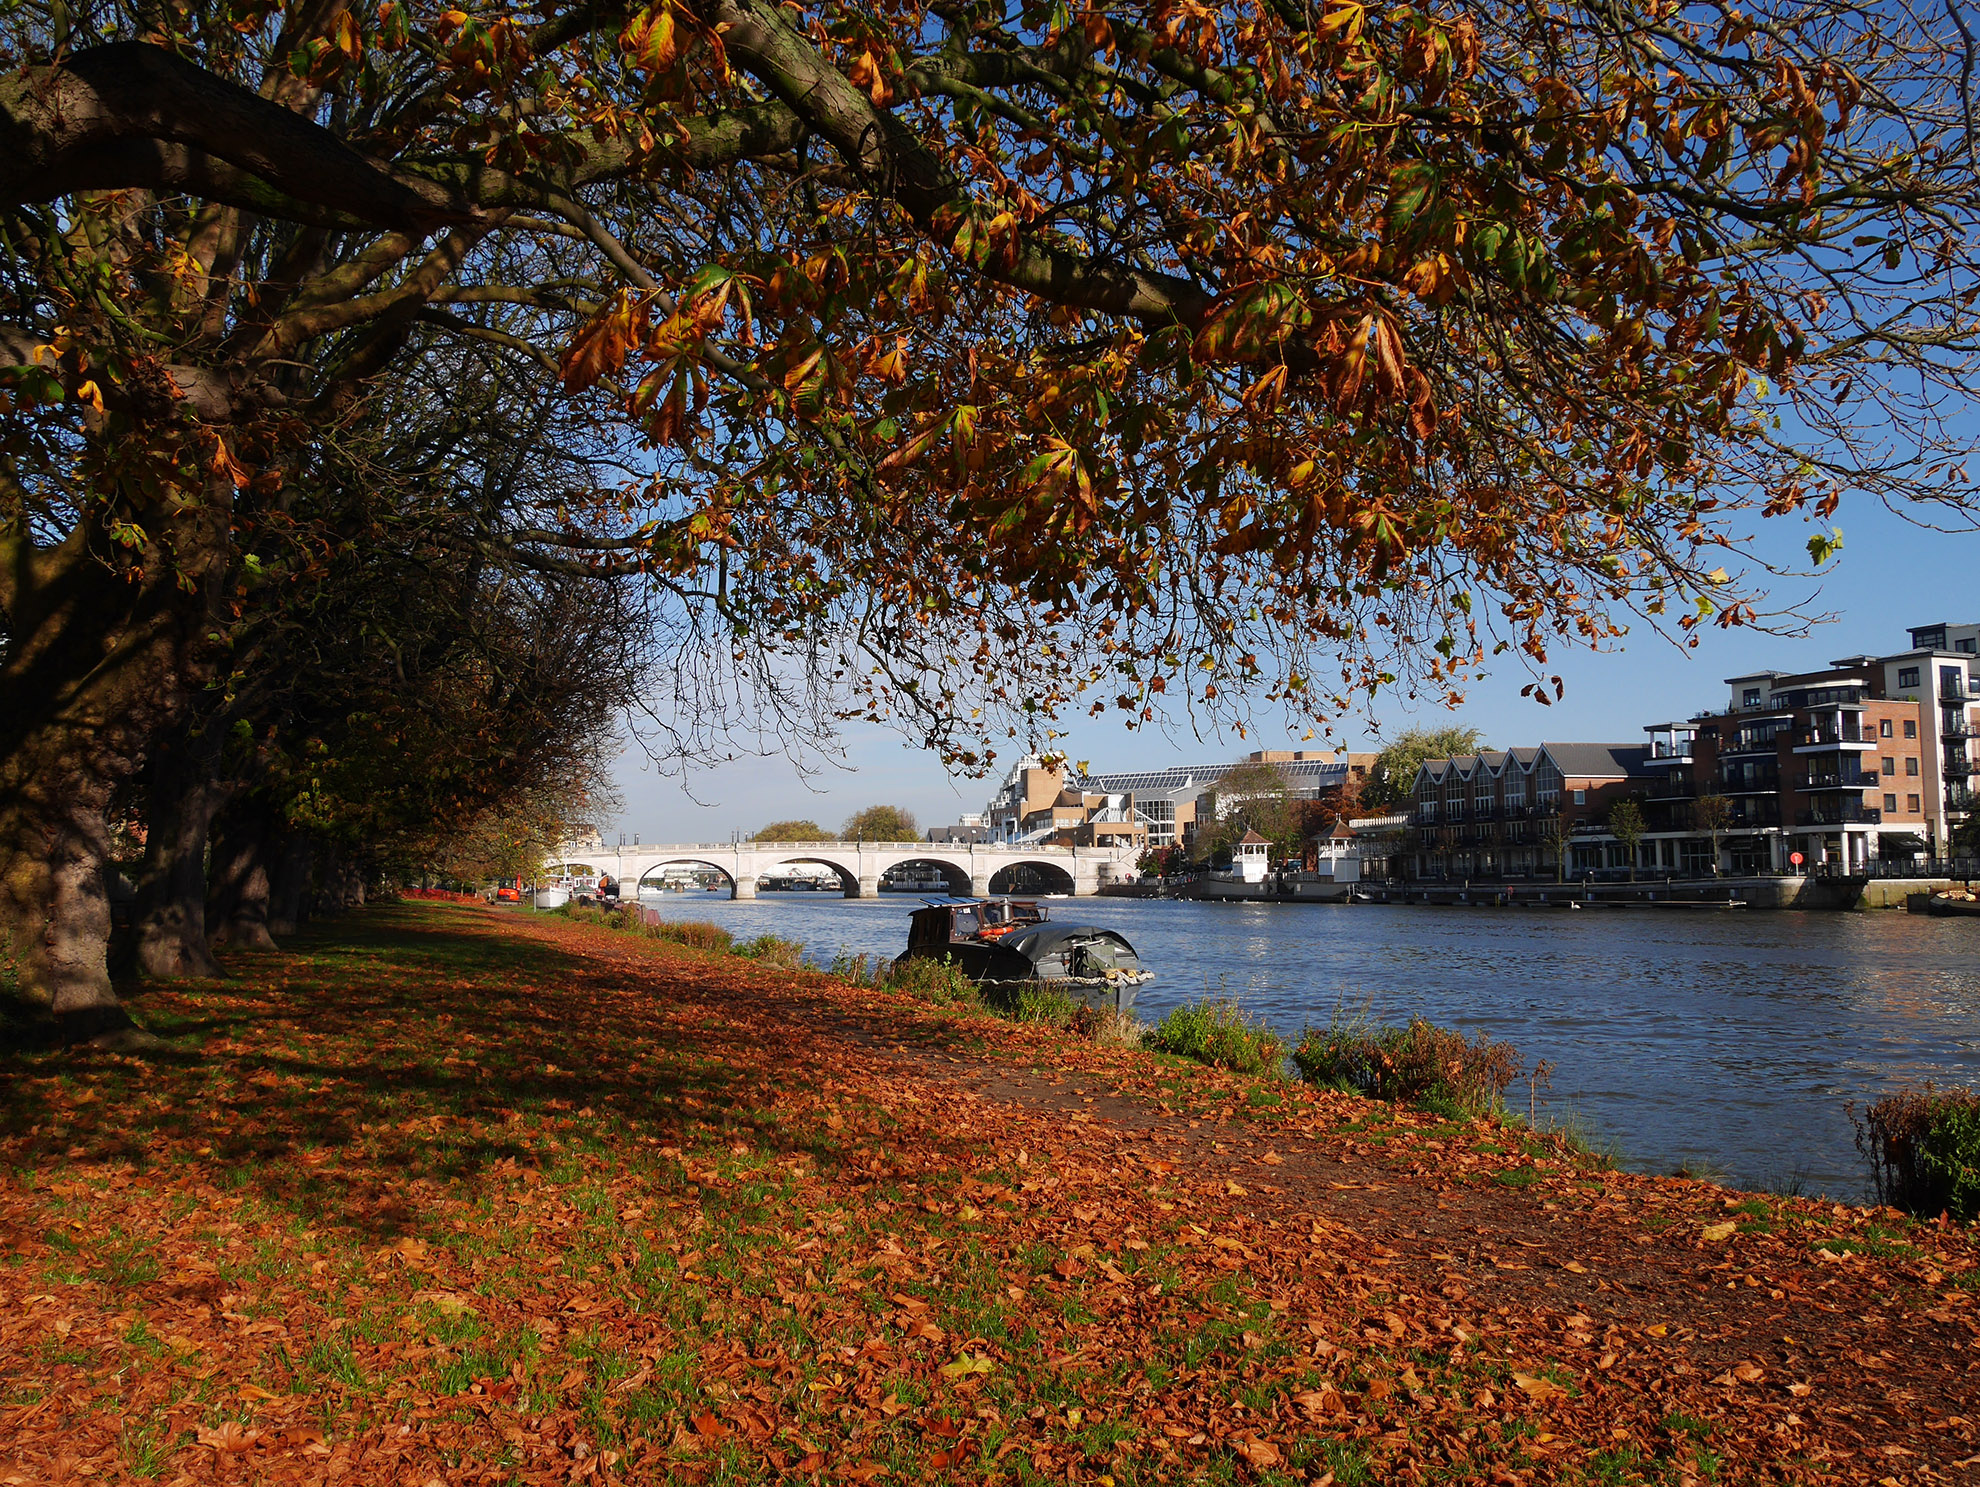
<point>1891,574</point>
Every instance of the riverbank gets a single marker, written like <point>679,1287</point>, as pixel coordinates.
<point>451,1193</point>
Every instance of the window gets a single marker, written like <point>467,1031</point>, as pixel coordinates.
<point>1911,727</point>
<point>1890,802</point>
<point>1911,767</point>
<point>1968,645</point>
<point>1581,797</point>
<point>1890,765</point>
<point>1907,677</point>
<point>1883,728</point>
<point>1911,804</point>
<point>1750,697</point>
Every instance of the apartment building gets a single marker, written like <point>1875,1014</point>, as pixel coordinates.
<point>1519,813</point>
<point>1869,759</point>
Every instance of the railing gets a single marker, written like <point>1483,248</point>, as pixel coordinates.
<point>1963,868</point>
<point>1674,790</point>
<point>1848,779</point>
<point>1961,799</point>
<point>1809,738</point>
<point>1748,743</point>
<point>1955,692</point>
<point>1749,821</point>
<point>1765,785</point>
<point>1841,815</point>
<point>1956,730</point>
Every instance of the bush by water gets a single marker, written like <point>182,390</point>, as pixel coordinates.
<point>1217,1032</point>
<point>1924,1151</point>
<point>1419,1061</point>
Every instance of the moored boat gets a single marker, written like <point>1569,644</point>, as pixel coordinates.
<point>1013,943</point>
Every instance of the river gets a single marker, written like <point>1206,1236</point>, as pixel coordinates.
<point>1728,1042</point>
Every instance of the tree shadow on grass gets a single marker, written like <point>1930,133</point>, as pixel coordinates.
<point>394,1058</point>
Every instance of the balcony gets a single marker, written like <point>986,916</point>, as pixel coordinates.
<point>1848,779</point>
<point>1950,731</point>
<point>1811,740</point>
<point>1751,743</point>
<point>1765,785</point>
<point>1956,692</point>
<point>1758,819</point>
<point>1959,798</point>
<point>1842,813</point>
<point>1677,789</point>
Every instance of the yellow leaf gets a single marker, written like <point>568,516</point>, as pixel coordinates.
<point>1714,1233</point>
<point>1540,1389</point>
<point>967,1364</point>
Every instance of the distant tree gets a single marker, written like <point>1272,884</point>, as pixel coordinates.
<point>1252,795</point>
<point>880,823</point>
<point>1558,834</point>
<point>1393,779</point>
<point>1627,827</point>
<point>1713,813</point>
<point>793,831</point>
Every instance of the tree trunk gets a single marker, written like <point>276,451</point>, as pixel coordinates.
<point>100,643</point>
<point>170,914</point>
<point>56,911</point>
<point>242,879</point>
<point>288,898</point>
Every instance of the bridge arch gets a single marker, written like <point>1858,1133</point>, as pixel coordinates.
<point>955,875</point>
<point>848,880</point>
<point>657,870</point>
<point>1032,875</point>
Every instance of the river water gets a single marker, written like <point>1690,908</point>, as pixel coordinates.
<point>1731,1042</point>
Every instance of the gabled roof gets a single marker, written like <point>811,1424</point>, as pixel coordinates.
<point>1584,760</point>
<point>1252,839</point>
<point>1599,760</point>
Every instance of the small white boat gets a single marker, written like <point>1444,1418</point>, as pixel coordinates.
<point>552,897</point>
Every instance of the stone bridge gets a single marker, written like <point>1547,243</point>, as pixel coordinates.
<point>972,868</point>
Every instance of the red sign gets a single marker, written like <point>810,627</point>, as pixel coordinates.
<point>1795,858</point>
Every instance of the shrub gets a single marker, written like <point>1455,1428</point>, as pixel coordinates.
<point>940,981</point>
<point>1216,1032</point>
<point>773,953</point>
<point>1420,1061</point>
<point>696,934</point>
<point>1924,1151</point>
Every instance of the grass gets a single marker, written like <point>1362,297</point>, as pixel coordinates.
<point>462,1197</point>
<point>1217,1032</point>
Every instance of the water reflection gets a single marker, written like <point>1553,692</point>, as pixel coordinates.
<point>1728,1040</point>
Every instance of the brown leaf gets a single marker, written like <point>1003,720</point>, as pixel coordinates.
<point>229,1436</point>
<point>709,1426</point>
<point>1260,1453</point>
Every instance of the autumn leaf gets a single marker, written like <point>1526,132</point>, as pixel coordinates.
<point>1541,1390</point>
<point>966,1366</point>
<point>228,1437</point>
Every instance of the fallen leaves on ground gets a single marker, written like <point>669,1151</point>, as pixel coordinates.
<point>446,1195</point>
